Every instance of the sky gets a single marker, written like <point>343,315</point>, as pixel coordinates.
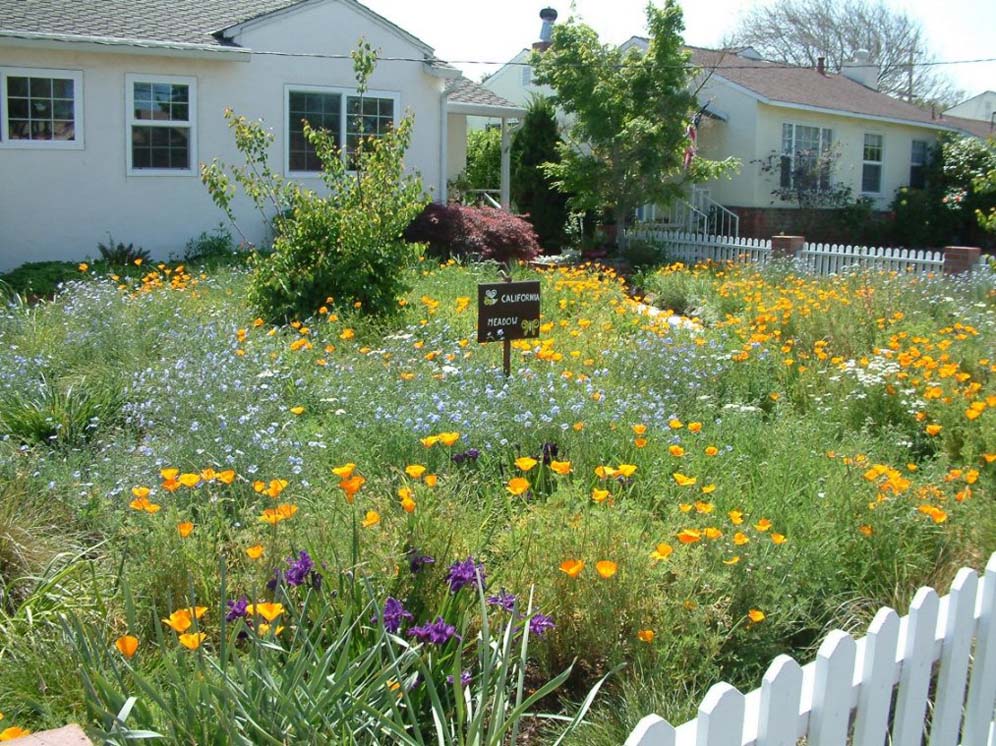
<point>495,30</point>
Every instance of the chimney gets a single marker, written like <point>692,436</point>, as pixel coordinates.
<point>862,70</point>
<point>821,65</point>
<point>549,16</point>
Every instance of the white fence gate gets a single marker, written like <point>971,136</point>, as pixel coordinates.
<point>856,690</point>
<point>823,259</point>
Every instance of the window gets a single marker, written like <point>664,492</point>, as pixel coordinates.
<point>160,118</point>
<point>871,167</point>
<point>918,164</point>
<point>805,159</point>
<point>527,75</point>
<point>40,108</point>
<point>347,116</point>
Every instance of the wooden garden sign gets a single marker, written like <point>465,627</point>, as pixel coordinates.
<point>507,311</point>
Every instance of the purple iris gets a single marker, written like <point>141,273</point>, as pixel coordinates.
<point>417,560</point>
<point>504,600</point>
<point>465,573</point>
<point>465,678</point>
<point>236,609</point>
<point>471,454</point>
<point>550,452</point>
<point>436,633</point>
<point>539,624</point>
<point>298,571</point>
<point>394,615</point>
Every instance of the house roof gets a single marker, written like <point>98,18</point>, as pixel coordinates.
<point>468,97</point>
<point>197,22</point>
<point>778,83</point>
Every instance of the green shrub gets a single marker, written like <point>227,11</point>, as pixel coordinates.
<point>214,245</point>
<point>345,246</point>
<point>484,159</point>
<point>64,414</point>
<point>121,255</point>
<point>38,278</point>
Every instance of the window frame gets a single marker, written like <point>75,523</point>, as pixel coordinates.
<point>77,143</point>
<point>823,148</point>
<point>191,125</point>
<point>344,93</point>
<point>880,163</point>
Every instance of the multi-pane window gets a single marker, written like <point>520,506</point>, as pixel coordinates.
<point>919,154</point>
<point>161,116</point>
<point>871,166</point>
<point>805,157</point>
<point>322,111</point>
<point>349,118</point>
<point>527,75</point>
<point>40,108</point>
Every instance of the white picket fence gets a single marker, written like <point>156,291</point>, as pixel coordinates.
<point>918,678</point>
<point>823,259</point>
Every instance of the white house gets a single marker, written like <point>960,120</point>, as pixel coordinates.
<point>761,111</point>
<point>981,107</point>
<point>107,109</point>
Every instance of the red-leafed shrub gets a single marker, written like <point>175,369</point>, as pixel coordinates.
<point>483,232</point>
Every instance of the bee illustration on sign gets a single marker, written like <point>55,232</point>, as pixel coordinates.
<point>530,327</point>
<point>490,297</point>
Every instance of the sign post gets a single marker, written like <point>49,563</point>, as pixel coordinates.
<point>507,311</point>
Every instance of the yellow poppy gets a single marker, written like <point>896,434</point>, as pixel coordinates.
<point>267,609</point>
<point>208,474</point>
<point>189,480</point>
<point>639,429</point>
<point>429,440</point>
<point>708,489</point>
<point>184,529</point>
<point>866,530</point>
<point>689,535</point>
<point>140,492</point>
<point>517,485</point>
<point>704,507</point>
<point>606,568</point>
<point>372,519</point>
<point>298,410</point>
<point>345,471</point>
<point>740,538</point>
<point>661,552</point>
<point>676,451</point>
<point>264,629</point>
<point>179,621</point>
<point>415,471</point>
<point>645,635</point>
<point>683,480</point>
<point>712,533</point>
<point>449,439</point>
<point>525,463</point>
<point>732,560</point>
<point>934,429</point>
<point>275,487</point>
<point>763,525</point>
<point>627,470</point>
<point>169,474</point>
<point>127,645</point>
<point>605,472</point>
<point>711,451</point>
<point>227,476</point>
<point>756,616</point>
<point>736,517</point>
<point>694,427</point>
<point>675,424</point>
<point>431,480</point>
<point>192,640</point>
<point>599,495</point>
<point>572,567</point>
<point>255,551</point>
<point>9,734</point>
<point>560,467</point>
<point>143,503</point>
<point>778,538</point>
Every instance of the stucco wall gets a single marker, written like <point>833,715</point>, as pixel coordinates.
<point>58,204</point>
<point>456,151</point>
<point>507,83</point>
<point>736,136</point>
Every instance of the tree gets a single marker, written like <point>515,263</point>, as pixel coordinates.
<point>628,115</point>
<point>484,158</point>
<point>533,193</point>
<point>798,32</point>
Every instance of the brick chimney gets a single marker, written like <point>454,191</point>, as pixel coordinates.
<point>549,17</point>
<point>821,65</point>
<point>862,70</point>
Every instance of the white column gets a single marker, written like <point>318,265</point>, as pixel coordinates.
<point>506,165</point>
<point>444,136</point>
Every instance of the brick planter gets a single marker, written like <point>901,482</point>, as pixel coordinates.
<point>958,259</point>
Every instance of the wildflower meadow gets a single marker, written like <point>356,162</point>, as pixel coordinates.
<point>348,528</point>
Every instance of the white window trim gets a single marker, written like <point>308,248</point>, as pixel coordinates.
<point>879,163</point>
<point>191,125</point>
<point>42,72</point>
<point>795,125</point>
<point>289,88</point>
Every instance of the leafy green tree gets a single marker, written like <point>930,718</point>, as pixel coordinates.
<point>536,142</point>
<point>628,114</point>
<point>484,158</point>
<point>346,245</point>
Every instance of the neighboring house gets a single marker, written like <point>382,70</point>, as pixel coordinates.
<point>513,81</point>
<point>761,111</point>
<point>107,109</point>
<point>981,107</point>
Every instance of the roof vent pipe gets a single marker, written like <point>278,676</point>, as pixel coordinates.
<point>549,17</point>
